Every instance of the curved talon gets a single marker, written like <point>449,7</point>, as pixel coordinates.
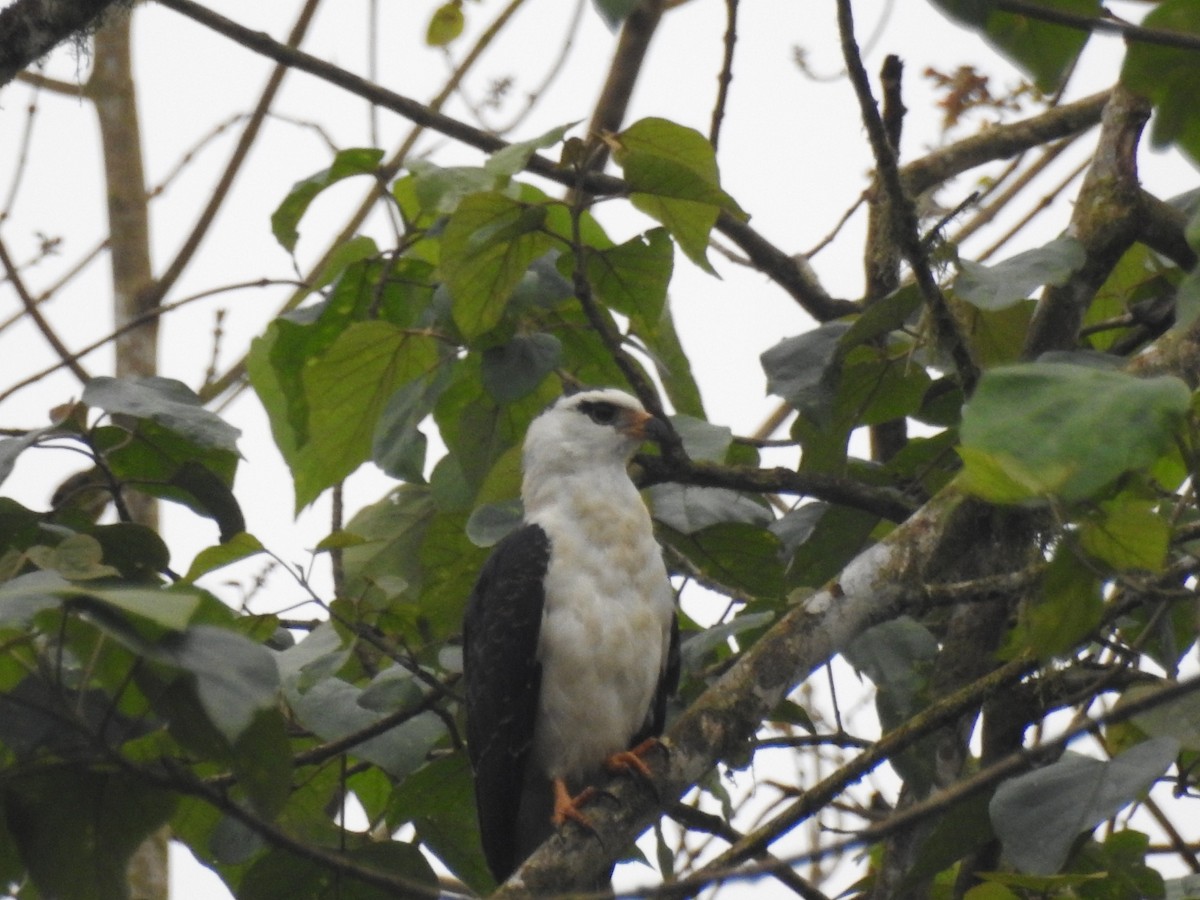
<point>631,760</point>
<point>566,807</point>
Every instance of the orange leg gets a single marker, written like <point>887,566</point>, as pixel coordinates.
<point>631,761</point>
<point>566,807</point>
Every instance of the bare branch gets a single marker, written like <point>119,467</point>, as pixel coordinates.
<point>905,228</point>
<point>39,320</point>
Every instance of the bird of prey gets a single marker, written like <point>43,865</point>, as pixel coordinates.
<point>571,645</point>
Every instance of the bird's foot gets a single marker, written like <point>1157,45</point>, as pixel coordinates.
<point>566,807</point>
<point>631,762</point>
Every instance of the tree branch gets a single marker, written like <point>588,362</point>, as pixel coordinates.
<point>29,29</point>
<point>1001,142</point>
<point>887,503</point>
<point>1110,24</point>
<point>1105,221</point>
<point>39,320</point>
<point>794,278</point>
<point>905,227</point>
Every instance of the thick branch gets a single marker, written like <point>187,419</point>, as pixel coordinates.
<point>1105,221</point>
<point>884,502</point>
<point>29,29</point>
<point>1002,142</point>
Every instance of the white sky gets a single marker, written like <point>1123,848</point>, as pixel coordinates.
<point>792,153</point>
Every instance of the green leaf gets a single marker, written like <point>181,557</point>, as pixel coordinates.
<point>514,369</point>
<point>897,656</point>
<point>170,608</point>
<point>78,557</point>
<point>445,25</point>
<point>673,178</point>
<point>632,278</point>
<point>239,547</point>
<point>490,522</point>
<point>740,556</point>
<point>701,439</point>
<point>1178,719</point>
<point>76,830</point>
<point>1037,816</point>
<point>386,564</point>
<point>690,223</point>
<point>166,401</point>
<point>488,244</point>
<point>281,874</point>
<point>668,160</point>
<point>439,800</point>
<point>1007,283</point>
<point>670,362</point>
<point>347,388</point>
<point>802,369</point>
<point>398,445</point>
<point>513,158</point>
<point>688,509</point>
<point>1044,50</point>
<point>11,448</point>
<point>235,678</point>
<point>1169,76</point>
<point>344,255</point>
<point>347,163</point>
<point>614,12</point>
<point>1030,430</point>
<point>883,317</point>
<point>1127,533</point>
<point>696,650</point>
<point>1069,609</point>
<point>330,709</point>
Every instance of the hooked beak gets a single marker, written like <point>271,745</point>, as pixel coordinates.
<point>645,427</point>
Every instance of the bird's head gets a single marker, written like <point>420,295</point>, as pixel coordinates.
<point>590,428</point>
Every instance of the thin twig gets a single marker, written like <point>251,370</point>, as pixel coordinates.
<point>725,78</point>
<point>904,214</point>
<point>39,320</point>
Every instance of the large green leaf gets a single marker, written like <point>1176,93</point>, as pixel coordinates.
<point>1038,816</point>
<point>1169,76</point>
<point>439,800</point>
<point>673,178</point>
<point>75,830</point>
<point>166,401</point>
<point>735,554</point>
<point>235,678</point>
<point>801,369</point>
<point>688,508</point>
<point>632,278</point>
<point>1002,285</point>
<point>514,369</point>
<point>286,218</point>
<point>1032,430</point>
<point>398,445</point>
<point>489,242</point>
<point>1046,51</point>
<point>347,388</point>
<point>513,158</point>
<point>331,710</point>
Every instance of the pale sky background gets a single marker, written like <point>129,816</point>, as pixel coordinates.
<point>792,153</point>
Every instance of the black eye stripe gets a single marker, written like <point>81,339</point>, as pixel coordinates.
<point>599,411</point>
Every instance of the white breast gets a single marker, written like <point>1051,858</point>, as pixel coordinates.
<point>605,626</point>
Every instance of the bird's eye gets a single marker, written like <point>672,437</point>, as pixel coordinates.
<point>599,412</point>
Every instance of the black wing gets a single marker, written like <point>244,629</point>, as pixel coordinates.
<point>503,679</point>
<point>668,683</point>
